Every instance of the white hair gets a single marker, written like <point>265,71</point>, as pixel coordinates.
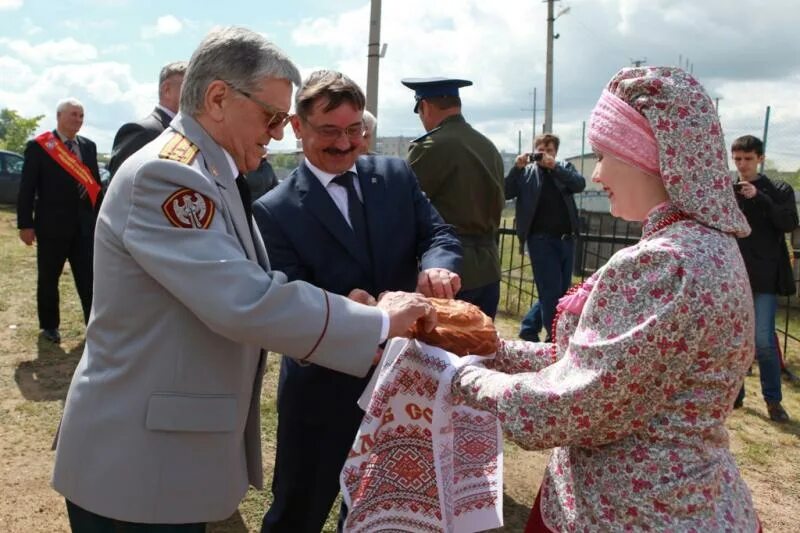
<point>370,122</point>
<point>68,102</point>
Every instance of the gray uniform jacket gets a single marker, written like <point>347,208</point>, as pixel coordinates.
<point>161,421</point>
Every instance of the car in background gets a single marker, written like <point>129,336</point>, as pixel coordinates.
<point>105,176</point>
<point>10,176</point>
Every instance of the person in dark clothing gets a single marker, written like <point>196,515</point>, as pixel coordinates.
<point>547,221</point>
<point>59,197</point>
<point>461,171</point>
<point>771,211</point>
<point>261,180</point>
<point>133,135</point>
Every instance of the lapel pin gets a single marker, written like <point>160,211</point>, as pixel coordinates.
<point>374,180</point>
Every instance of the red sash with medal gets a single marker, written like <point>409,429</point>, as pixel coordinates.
<point>67,160</point>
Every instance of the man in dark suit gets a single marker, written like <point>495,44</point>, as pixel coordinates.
<point>57,206</point>
<point>134,135</point>
<point>352,225</point>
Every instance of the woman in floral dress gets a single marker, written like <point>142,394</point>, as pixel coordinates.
<point>649,353</point>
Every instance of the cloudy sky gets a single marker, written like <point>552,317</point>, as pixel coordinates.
<point>108,53</point>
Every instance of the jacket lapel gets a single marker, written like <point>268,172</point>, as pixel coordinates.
<point>319,203</point>
<point>376,207</point>
<point>162,117</point>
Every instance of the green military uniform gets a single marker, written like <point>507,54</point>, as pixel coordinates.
<point>461,171</point>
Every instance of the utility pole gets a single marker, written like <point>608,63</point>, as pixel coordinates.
<point>548,89</point>
<point>373,60</point>
<point>764,137</point>
<point>533,109</point>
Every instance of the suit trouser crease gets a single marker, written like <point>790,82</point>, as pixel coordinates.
<point>51,254</point>
<point>311,451</point>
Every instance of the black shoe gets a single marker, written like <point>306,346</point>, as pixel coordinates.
<point>738,403</point>
<point>52,335</point>
<point>776,412</point>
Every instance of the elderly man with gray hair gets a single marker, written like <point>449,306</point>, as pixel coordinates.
<point>370,126</point>
<point>57,206</point>
<point>161,428</point>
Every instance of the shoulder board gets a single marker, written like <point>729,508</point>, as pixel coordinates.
<point>426,135</point>
<point>179,149</point>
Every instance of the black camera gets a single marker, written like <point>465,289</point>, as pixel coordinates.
<point>535,157</point>
<point>738,186</point>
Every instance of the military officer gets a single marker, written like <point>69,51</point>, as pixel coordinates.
<point>461,171</point>
<point>161,421</point>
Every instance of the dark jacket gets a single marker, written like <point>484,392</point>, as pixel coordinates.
<point>133,135</point>
<point>461,171</point>
<point>308,239</point>
<point>261,180</point>
<point>525,184</point>
<point>772,213</point>
<point>49,199</point>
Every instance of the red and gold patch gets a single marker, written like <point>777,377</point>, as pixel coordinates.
<point>186,208</point>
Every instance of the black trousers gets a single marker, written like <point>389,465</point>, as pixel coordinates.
<point>83,521</point>
<point>51,254</point>
<point>316,428</point>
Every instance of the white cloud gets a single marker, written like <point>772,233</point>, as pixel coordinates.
<point>10,5</point>
<point>501,45</point>
<point>64,51</point>
<point>30,28</point>
<point>165,25</point>
<point>89,25</point>
<point>108,91</point>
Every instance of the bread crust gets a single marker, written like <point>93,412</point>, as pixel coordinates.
<point>461,328</point>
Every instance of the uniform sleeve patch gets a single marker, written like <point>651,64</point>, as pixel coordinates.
<point>186,208</point>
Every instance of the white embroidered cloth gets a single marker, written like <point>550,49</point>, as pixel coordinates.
<point>419,462</point>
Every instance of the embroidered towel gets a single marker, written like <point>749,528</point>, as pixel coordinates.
<point>419,462</point>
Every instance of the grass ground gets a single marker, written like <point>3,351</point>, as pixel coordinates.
<point>34,377</point>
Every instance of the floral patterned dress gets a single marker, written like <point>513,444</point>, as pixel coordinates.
<point>634,393</point>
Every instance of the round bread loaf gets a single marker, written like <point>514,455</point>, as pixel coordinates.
<point>461,328</point>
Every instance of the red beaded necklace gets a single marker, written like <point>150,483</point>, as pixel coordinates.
<point>668,220</point>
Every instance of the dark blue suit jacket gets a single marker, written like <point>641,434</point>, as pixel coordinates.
<point>308,239</point>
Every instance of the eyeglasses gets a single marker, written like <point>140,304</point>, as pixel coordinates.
<point>331,133</point>
<point>275,117</point>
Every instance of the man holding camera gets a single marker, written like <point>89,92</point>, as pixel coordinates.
<point>547,221</point>
<point>770,209</point>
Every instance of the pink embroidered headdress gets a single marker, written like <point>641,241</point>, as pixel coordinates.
<point>681,140</point>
